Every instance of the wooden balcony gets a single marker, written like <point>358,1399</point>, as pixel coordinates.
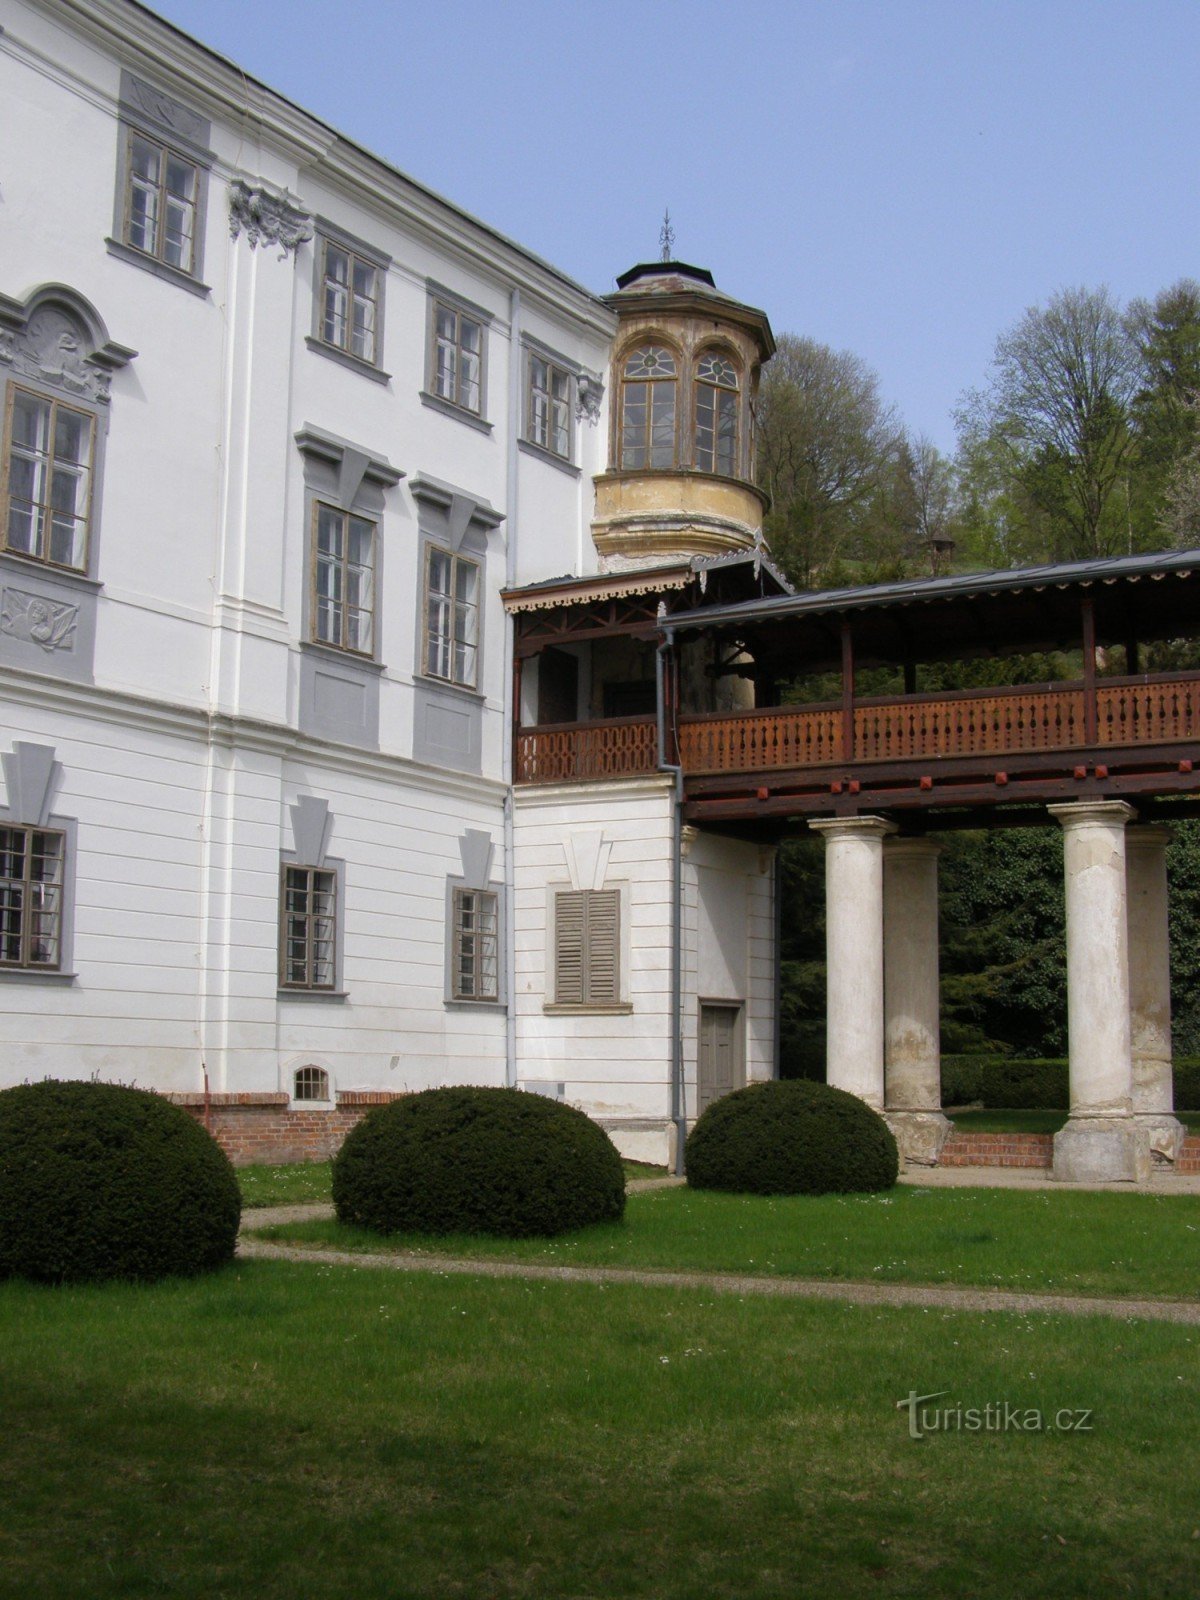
<point>915,742</point>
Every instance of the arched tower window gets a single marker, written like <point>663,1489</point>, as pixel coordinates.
<point>648,385</point>
<point>716,438</point>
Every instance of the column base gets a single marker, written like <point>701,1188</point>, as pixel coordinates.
<point>1102,1150</point>
<point>919,1134</point>
<point>1166,1134</point>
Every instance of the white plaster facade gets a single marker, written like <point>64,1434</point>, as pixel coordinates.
<point>189,708</point>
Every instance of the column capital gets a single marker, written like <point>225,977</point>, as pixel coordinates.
<point>1149,836</point>
<point>853,827</point>
<point>1081,813</point>
<point>911,849</point>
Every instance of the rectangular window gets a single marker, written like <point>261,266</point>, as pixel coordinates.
<point>308,931</point>
<point>349,302</point>
<point>476,964</point>
<point>344,580</point>
<point>587,947</point>
<point>458,358</point>
<point>31,898</point>
<point>451,617</point>
<point>161,193</point>
<point>48,456</point>
<point>548,406</point>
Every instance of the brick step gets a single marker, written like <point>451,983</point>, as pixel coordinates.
<point>964,1149</point>
<point>1189,1155</point>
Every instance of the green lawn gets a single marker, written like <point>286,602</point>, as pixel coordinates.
<point>283,1431</point>
<point>1120,1244</point>
<point>307,1183</point>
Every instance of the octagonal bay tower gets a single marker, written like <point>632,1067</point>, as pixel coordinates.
<point>643,950</point>
<point>685,371</point>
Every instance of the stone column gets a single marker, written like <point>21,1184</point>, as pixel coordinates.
<point>912,1035</point>
<point>854,951</point>
<point>1150,987</point>
<point>1100,1142</point>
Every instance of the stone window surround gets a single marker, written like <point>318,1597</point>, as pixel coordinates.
<point>468,521</point>
<point>168,123</point>
<point>331,233</point>
<point>311,825</point>
<point>453,1001</point>
<point>622,1005</point>
<point>437,294</point>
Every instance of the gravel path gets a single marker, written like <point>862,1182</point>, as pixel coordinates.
<point>941,1297</point>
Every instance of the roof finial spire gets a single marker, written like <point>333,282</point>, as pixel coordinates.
<point>666,237</point>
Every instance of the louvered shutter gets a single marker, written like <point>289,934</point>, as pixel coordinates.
<point>569,935</point>
<point>602,969</point>
<point>587,947</point>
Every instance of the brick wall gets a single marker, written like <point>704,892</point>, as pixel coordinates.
<point>1189,1156</point>
<point>997,1150</point>
<point>267,1130</point>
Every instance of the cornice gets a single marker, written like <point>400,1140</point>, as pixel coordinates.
<point>609,790</point>
<point>142,40</point>
<point>227,731</point>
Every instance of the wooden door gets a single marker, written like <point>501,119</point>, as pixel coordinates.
<point>721,1067</point>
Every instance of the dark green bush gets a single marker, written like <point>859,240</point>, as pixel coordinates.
<point>791,1137</point>
<point>1013,1083</point>
<point>99,1181</point>
<point>496,1161</point>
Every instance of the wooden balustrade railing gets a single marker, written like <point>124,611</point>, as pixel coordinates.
<point>998,722</point>
<point>576,751</point>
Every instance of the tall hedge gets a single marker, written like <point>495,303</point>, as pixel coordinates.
<point>467,1160</point>
<point>98,1181</point>
<point>1013,1083</point>
<point>791,1137</point>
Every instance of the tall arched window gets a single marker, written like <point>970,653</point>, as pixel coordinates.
<point>648,384</point>
<point>716,414</point>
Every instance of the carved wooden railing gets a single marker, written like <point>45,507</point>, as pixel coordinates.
<point>573,752</point>
<point>1129,711</point>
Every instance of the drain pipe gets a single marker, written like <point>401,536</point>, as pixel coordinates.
<point>678,1110</point>
<point>511,515</point>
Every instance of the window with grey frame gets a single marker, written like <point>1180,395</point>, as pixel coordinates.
<point>458,357</point>
<point>587,947</point>
<point>47,487</point>
<point>350,297</point>
<point>451,617</point>
<point>161,202</point>
<point>548,405</point>
<point>475,955</point>
<point>343,579</point>
<point>32,887</point>
<point>310,1083</point>
<point>308,927</point>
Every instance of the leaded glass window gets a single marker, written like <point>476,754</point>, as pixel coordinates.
<point>716,414</point>
<point>648,387</point>
<point>48,482</point>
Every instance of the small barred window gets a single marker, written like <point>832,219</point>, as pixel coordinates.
<point>311,1083</point>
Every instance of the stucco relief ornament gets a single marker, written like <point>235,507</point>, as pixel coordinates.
<point>267,218</point>
<point>52,349</point>
<point>589,391</point>
<point>47,623</point>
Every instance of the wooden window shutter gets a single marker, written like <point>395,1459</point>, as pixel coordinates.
<point>603,947</point>
<point>587,946</point>
<point>569,935</point>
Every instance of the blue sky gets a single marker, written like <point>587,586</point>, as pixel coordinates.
<point>898,179</point>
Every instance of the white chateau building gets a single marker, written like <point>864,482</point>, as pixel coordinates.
<point>311,486</point>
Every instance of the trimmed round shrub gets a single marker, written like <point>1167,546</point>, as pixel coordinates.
<point>498,1161</point>
<point>791,1137</point>
<point>99,1181</point>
